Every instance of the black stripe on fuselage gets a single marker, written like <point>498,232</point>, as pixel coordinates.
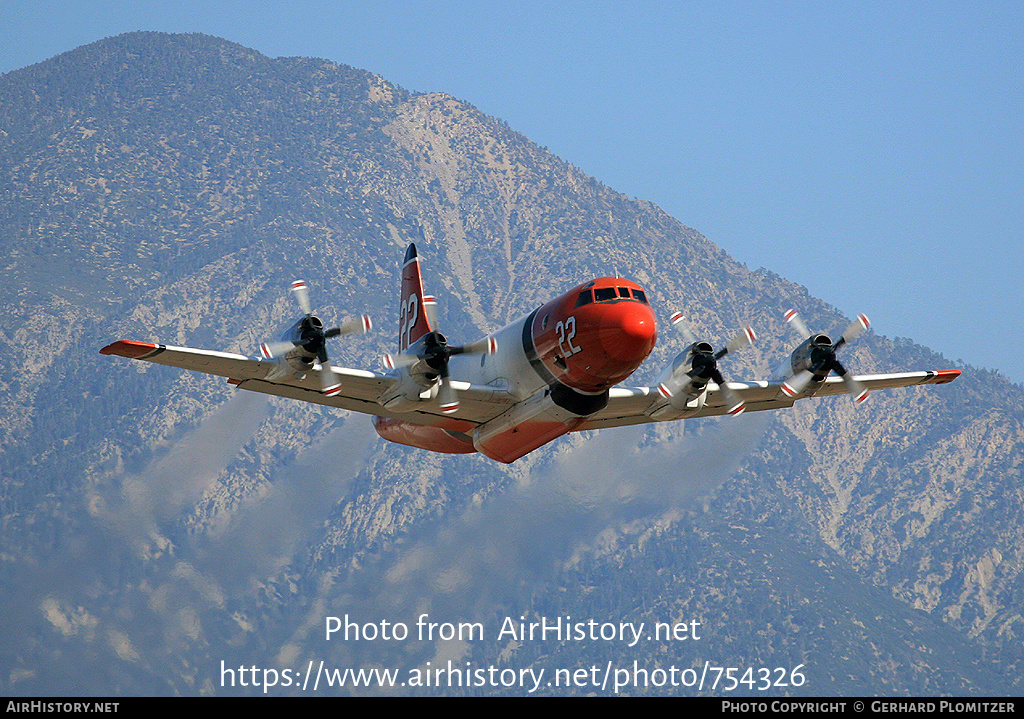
<point>562,394</point>
<point>531,351</point>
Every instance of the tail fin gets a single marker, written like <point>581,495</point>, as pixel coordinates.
<point>414,318</point>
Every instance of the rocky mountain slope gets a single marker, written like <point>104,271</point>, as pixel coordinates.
<point>157,523</point>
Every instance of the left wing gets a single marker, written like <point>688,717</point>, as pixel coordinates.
<point>639,405</point>
<point>359,391</point>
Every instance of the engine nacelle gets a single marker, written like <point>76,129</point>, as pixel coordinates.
<point>407,394</point>
<point>417,380</point>
<point>811,354</point>
<point>422,369</point>
<point>682,381</point>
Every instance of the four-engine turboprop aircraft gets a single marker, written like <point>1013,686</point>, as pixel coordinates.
<point>554,371</point>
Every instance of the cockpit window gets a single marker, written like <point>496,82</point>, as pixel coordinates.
<point>605,294</point>
<point>585,298</point>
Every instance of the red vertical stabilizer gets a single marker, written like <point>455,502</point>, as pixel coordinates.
<point>413,314</point>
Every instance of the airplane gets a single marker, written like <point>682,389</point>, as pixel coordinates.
<point>553,371</point>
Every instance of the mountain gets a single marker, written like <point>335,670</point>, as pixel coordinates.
<point>161,532</point>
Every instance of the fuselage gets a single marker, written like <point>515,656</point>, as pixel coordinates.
<point>559,361</point>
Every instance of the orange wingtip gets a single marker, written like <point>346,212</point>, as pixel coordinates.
<point>129,349</point>
<point>946,375</point>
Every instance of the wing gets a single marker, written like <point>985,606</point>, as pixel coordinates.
<point>637,405</point>
<point>359,392</point>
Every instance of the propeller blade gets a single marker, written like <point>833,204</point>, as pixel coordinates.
<point>361,324</point>
<point>679,322</point>
<point>391,361</point>
<point>744,338</point>
<point>855,330</point>
<point>858,392</point>
<point>675,384</point>
<point>796,384</point>
<point>794,319</point>
<point>301,292</point>
<point>734,405</point>
<point>329,383</point>
<point>270,350</point>
<point>447,397</point>
<point>488,345</point>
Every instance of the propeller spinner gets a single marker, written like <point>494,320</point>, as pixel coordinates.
<point>309,335</point>
<point>816,357</point>
<point>693,375</point>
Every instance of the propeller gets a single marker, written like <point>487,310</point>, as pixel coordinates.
<point>820,358</point>
<point>703,366</point>
<point>435,352</point>
<point>309,334</point>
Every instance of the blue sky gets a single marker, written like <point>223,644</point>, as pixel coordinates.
<point>872,152</point>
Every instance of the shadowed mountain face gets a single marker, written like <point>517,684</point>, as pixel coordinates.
<point>157,522</point>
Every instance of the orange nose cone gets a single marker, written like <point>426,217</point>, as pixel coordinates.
<point>628,333</point>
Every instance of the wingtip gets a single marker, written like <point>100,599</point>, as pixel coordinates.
<point>129,349</point>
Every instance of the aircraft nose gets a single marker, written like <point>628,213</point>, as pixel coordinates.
<point>628,332</point>
<point>597,344</point>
